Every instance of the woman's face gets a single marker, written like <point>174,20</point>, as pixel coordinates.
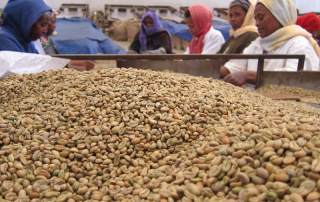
<point>52,25</point>
<point>148,22</point>
<point>236,17</point>
<point>315,33</point>
<point>192,28</point>
<point>265,21</point>
<point>40,27</point>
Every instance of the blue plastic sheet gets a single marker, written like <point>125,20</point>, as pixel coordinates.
<point>82,36</point>
<point>181,30</point>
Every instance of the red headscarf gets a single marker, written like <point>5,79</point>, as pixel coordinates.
<point>201,17</point>
<point>309,22</point>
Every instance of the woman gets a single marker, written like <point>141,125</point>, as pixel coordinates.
<point>152,38</point>
<point>1,18</point>
<point>244,31</point>
<point>46,42</point>
<point>311,23</point>
<point>275,20</point>
<point>206,40</point>
<point>47,46</point>
<point>24,21</point>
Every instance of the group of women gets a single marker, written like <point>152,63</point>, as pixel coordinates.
<point>25,24</point>
<point>275,21</point>
<point>263,27</point>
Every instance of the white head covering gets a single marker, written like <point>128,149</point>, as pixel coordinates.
<point>283,10</point>
<point>286,14</point>
<point>249,23</point>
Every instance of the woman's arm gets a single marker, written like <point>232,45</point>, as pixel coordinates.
<point>9,44</point>
<point>242,77</point>
<point>158,51</point>
<point>81,65</point>
<point>163,40</point>
<point>135,45</point>
<point>224,72</point>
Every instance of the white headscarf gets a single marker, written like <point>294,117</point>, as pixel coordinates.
<point>249,24</point>
<point>285,12</point>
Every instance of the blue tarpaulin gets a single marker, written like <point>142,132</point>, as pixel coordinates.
<point>182,31</point>
<point>82,36</point>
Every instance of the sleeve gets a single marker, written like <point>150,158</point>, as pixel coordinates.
<point>132,52</point>
<point>163,40</point>
<point>55,48</point>
<point>237,46</point>
<point>224,46</point>
<point>213,43</point>
<point>38,46</point>
<point>135,45</point>
<point>158,51</point>
<point>246,41</point>
<point>187,51</point>
<point>8,45</point>
<point>238,65</point>
<point>301,46</point>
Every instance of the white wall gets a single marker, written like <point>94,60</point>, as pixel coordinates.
<point>304,6</point>
<point>99,4</point>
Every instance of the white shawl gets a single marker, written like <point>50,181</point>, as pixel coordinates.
<point>285,12</point>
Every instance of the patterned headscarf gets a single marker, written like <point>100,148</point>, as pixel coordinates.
<point>147,31</point>
<point>242,3</point>
<point>249,23</point>
<point>201,17</point>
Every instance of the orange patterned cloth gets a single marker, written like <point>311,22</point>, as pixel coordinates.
<point>201,17</point>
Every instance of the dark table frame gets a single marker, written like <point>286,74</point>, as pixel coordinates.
<point>263,77</point>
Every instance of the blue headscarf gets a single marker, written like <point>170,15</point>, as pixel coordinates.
<point>146,31</point>
<point>18,18</point>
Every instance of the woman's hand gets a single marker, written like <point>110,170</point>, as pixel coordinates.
<point>79,68</point>
<point>237,78</point>
<point>86,64</point>
<point>158,51</point>
<point>241,77</point>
